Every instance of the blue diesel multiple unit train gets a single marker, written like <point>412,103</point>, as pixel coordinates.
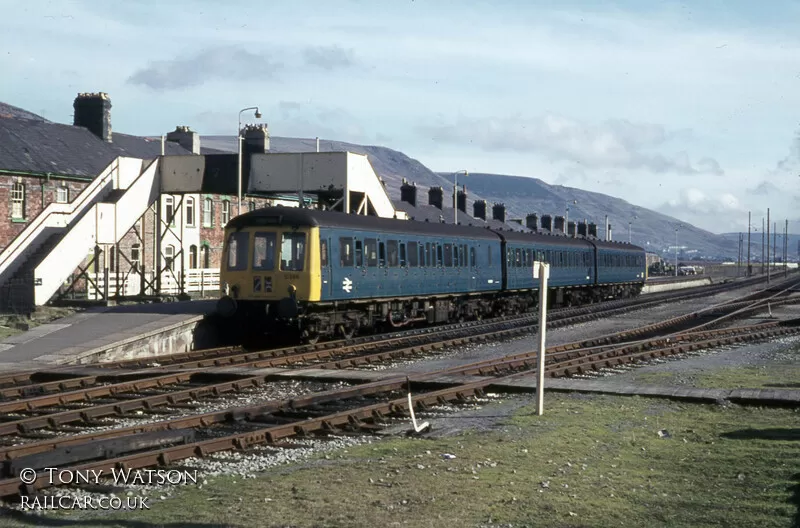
<point>327,273</point>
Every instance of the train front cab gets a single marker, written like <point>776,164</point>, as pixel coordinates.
<point>269,270</point>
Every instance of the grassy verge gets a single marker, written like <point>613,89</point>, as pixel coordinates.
<point>15,324</point>
<point>589,461</point>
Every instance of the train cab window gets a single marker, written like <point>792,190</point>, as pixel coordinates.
<point>359,252</point>
<point>237,251</point>
<point>393,253</point>
<point>293,251</point>
<point>403,255</point>
<point>345,252</point>
<point>439,258</point>
<point>323,253</point>
<point>371,248</point>
<point>413,254</point>
<point>381,254</point>
<point>472,257</point>
<point>448,255</point>
<point>264,251</point>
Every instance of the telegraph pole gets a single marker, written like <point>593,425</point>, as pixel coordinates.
<point>762,245</point>
<point>748,243</point>
<point>786,248</point>
<point>768,263</point>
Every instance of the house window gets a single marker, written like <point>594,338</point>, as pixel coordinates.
<point>170,210</point>
<point>192,257</point>
<point>208,213</point>
<point>169,257</point>
<point>204,256</point>
<point>18,200</point>
<point>190,212</point>
<point>135,255</point>
<point>62,195</point>
<point>226,212</point>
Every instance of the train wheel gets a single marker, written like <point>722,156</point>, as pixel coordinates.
<point>346,331</point>
<point>310,338</point>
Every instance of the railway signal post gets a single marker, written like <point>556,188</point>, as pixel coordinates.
<point>541,271</point>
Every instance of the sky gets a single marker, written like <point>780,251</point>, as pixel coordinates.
<point>691,109</point>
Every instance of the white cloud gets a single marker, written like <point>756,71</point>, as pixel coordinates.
<point>618,144</point>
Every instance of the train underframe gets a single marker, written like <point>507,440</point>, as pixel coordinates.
<point>311,322</point>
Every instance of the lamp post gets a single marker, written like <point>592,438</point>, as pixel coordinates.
<point>630,222</point>
<point>566,217</point>
<point>455,194</point>
<point>676,250</point>
<point>239,150</point>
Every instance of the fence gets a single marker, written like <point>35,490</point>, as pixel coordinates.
<point>203,281</point>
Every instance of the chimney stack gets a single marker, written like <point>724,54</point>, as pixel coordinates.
<point>592,229</point>
<point>256,139</point>
<point>185,137</point>
<point>532,222</point>
<point>558,224</point>
<point>547,224</point>
<point>93,112</point>
<point>479,211</point>
<point>408,193</point>
<point>461,198</point>
<point>436,197</point>
<point>609,233</point>
<point>571,229</point>
<point>499,212</point>
<point>582,229</point>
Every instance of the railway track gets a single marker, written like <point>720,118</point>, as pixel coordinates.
<point>161,442</point>
<point>306,414</point>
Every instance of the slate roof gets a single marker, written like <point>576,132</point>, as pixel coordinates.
<point>35,145</point>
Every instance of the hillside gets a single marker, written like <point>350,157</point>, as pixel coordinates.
<point>522,195</point>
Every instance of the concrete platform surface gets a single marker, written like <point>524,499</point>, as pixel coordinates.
<point>83,336</point>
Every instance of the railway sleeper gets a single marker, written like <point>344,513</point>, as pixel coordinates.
<point>98,450</point>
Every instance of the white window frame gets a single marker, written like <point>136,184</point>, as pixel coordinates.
<point>169,211</point>
<point>169,256</point>
<point>193,257</point>
<point>136,254</point>
<point>62,194</point>
<point>208,212</point>
<point>190,211</point>
<point>226,212</point>
<point>18,201</point>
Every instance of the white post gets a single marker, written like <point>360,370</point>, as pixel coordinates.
<point>541,271</point>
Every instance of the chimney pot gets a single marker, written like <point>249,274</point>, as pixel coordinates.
<point>185,137</point>
<point>479,209</point>
<point>408,193</point>
<point>93,112</point>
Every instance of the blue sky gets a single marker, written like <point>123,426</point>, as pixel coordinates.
<point>692,109</point>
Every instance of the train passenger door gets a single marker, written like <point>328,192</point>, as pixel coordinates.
<point>472,270</point>
<point>325,267</point>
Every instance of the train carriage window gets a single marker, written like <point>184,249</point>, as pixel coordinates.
<point>293,251</point>
<point>461,256</point>
<point>371,248</point>
<point>403,255</point>
<point>439,259</point>
<point>264,251</point>
<point>381,254</point>
<point>448,255</point>
<point>345,251</point>
<point>422,255</point>
<point>359,254</point>
<point>413,254</point>
<point>528,259</point>
<point>393,253</point>
<point>323,253</point>
<point>428,254</point>
<point>456,259</point>
<point>518,258</point>
<point>472,257</point>
<point>237,251</point>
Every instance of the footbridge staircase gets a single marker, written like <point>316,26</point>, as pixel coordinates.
<point>38,261</point>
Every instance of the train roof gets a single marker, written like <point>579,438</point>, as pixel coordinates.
<point>619,246</point>
<point>545,240</point>
<point>295,216</point>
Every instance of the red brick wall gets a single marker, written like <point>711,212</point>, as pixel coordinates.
<point>215,236</point>
<point>38,194</point>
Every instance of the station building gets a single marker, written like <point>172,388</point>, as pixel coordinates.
<point>88,213</point>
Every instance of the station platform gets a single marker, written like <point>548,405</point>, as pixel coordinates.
<point>107,333</point>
